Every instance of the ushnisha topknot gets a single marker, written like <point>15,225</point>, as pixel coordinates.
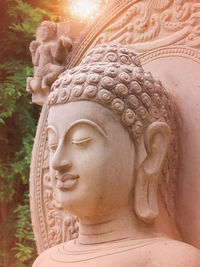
<point>111,75</point>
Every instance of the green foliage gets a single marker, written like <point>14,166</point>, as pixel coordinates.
<point>29,19</point>
<point>18,28</point>
<point>25,251</point>
<point>17,127</point>
<point>18,118</point>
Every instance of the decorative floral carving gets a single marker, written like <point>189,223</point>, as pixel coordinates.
<point>159,4</point>
<point>70,227</point>
<point>167,22</point>
<point>147,25</point>
<point>54,219</point>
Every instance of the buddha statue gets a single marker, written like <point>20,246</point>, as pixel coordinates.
<point>113,144</point>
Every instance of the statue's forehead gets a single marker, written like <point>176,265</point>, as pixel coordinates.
<point>64,115</point>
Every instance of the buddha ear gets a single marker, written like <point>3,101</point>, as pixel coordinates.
<point>156,143</point>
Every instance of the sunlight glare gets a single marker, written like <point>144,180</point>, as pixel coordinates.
<point>84,9</point>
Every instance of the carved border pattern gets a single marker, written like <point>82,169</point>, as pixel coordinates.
<point>37,211</point>
<point>176,51</point>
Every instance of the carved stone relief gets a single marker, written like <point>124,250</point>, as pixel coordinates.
<point>146,26</point>
<point>156,29</point>
<point>49,54</point>
<point>151,24</point>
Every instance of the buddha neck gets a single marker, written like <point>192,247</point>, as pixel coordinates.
<point>122,225</point>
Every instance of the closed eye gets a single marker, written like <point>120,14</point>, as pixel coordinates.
<point>83,141</point>
<point>53,146</point>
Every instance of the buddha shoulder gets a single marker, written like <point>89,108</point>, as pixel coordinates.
<point>166,252</point>
<point>172,253</point>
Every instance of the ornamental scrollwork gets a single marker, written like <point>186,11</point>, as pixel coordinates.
<point>151,24</point>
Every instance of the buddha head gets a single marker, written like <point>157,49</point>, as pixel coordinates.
<point>112,136</point>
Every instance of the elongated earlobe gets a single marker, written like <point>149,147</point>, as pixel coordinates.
<point>146,206</point>
<point>156,141</point>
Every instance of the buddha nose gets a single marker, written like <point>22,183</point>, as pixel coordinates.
<point>62,166</point>
<point>60,162</point>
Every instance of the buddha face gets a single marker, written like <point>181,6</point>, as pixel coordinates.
<point>91,159</point>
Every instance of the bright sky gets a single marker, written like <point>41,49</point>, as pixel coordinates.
<point>84,9</point>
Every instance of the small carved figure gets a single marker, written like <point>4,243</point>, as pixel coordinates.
<point>112,138</point>
<point>48,56</point>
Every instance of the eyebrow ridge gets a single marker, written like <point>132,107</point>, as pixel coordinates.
<point>85,121</point>
<point>53,129</point>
